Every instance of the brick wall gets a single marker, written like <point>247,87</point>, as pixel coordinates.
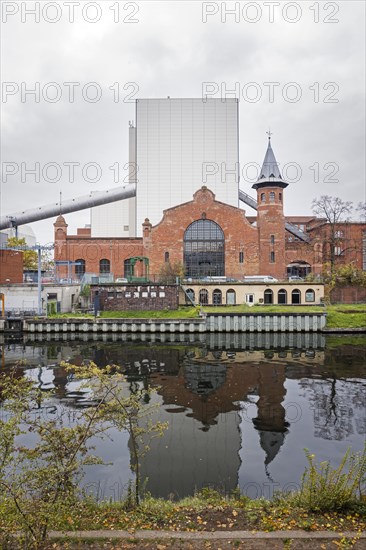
<point>136,297</point>
<point>168,235</point>
<point>11,266</point>
<point>92,250</point>
<point>348,295</point>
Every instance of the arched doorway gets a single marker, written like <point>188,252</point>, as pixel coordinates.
<point>203,297</point>
<point>217,297</point>
<point>268,296</point>
<point>230,297</point>
<point>282,296</point>
<point>190,296</point>
<point>204,249</point>
<point>296,296</point>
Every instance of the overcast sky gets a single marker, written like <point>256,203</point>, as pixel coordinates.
<point>313,53</point>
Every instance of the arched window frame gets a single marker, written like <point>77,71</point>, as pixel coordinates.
<point>104,266</point>
<point>204,249</point>
<point>230,292</point>
<point>296,293</point>
<point>282,296</point>
<point>268,296</point>
<point>203,296</point>
<point>190,292</point>
<point>310,295</point>
<point>80,269</point>
<point>217,297</point>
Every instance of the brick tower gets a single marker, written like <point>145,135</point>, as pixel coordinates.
<point>270,218</point>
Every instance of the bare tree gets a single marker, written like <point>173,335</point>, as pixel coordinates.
<point>334,211</point>
<point>361,209</point>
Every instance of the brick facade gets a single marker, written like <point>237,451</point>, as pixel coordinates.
<point>11,266</point>
<point>348,295</point>
<point>264,247</point>
<point>92,250</point>
<point>168,235</point>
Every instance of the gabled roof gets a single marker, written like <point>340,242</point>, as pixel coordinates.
<point>270,173</point>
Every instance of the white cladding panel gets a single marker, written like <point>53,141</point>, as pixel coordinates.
<point>111,220</point>
<point>175,138</point>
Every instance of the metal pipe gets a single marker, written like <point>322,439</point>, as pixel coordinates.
<point>72,205</point>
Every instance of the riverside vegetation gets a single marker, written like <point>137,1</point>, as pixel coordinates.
<point>40,480</point>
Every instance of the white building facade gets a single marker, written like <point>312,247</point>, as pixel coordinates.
<point>177,146</point>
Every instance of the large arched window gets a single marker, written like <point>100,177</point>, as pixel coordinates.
<point>79,267</point>
<point>203,297</point>
<point>217,297</point>
<point>104,266</point>
<point>204,249</point>
<point>282,296</point>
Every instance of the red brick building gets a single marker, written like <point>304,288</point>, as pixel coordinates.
<point>211,238</point>
<point>11,266</point>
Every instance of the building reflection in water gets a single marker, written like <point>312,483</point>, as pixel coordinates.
<point>270,421</point>
<point>203,390</point>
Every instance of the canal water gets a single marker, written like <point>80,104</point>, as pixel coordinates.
<point>241,408</point>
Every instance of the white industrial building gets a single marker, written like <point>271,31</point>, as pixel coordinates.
<point>177,146</point>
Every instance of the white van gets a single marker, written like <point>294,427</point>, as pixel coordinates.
<point>260,279</point>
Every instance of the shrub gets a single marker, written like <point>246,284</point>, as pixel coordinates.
<point>326,489</point>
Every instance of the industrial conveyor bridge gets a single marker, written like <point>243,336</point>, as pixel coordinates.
<point>97,198</point>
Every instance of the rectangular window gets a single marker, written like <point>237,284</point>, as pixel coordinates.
<point>249,298</point>
<point>272,257</point>
<point>337,250</point>
<point>241,257</point>
<point>339,234</point>
<point>272,239</point>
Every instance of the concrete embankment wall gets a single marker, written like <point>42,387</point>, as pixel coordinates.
<point>211,323</point>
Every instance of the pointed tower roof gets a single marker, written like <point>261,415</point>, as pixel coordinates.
<point>270,174</point>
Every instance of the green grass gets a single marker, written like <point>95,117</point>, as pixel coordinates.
<point>180,313</point>
<point>338,316</point>
<point>243,308</point>
<point>346,316</point>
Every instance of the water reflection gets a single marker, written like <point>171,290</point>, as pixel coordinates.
<point>240,408</point>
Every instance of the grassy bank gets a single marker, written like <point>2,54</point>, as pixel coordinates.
<point>346,316</point>
<point>207,511</point>
<point>338,316</point>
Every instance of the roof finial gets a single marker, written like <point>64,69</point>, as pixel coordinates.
<point>269,133</point>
